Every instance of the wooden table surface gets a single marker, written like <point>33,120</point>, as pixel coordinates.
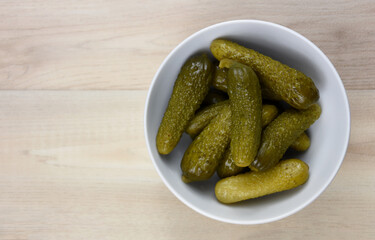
<point>74,77</point>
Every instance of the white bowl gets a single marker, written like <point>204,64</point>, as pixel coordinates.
<point>329,135</point>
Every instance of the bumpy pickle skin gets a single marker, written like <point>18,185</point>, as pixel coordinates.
<point>302,143</point>
<point>281,133</point>
<point>286,175</point>
<point>280,81</point>
<point>246,105</point>
<point>227,167</point>
<point>220,82</point>
<point>189,90</point>
<point>203,118</point>
<point>220,79</point>
<point>202,157</point>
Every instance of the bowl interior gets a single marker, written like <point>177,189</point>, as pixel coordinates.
<point>329,135</point>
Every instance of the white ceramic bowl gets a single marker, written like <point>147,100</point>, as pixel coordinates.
<point>329,135</point>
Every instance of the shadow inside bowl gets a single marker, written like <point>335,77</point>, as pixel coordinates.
<point>206,187</point>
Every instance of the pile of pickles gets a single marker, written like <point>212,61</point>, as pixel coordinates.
<point>230,110</point>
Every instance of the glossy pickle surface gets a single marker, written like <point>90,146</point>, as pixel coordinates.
<point>246,106</point>
<point>202,157</point>
<point>281,133</point>
<point>285,175</point>
<point>189,90</point>
<point>280,81</point>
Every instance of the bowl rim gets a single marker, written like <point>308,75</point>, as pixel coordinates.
<point>322,188</point>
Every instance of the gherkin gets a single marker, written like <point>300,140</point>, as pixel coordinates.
<point>227,167</point>
<point>286,175</point>
<point>203,118</point>
<point>269,112</point>
<point>189,90</point>
<point>204,153</point>
<point>246,105</point>
<point>220,79</point>
<point>281,133</point>
<point>279,81</point>
<point>302,143</point>
<point>220,82</point>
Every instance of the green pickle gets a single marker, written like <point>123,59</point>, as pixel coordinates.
<point>227,167</point>
<point>269,113</point>
<point>302,143</point>
<point>286,175</point>
<point>220,79</point>
<point>279,81</point>
<point>220,82</point>
<point>202,157</point>
<point>281,133</point>
<point>190,88</point>
<point>246,105</point>
<point>203,118</point>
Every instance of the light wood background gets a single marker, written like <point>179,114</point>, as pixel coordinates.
<point>74,77</point>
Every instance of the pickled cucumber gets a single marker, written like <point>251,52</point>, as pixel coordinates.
<point>220,79</point>
<point>204,153</point>
<point>227,63</point>
<point>203,118</point>
<point>227,167</point>
<point>214,96</point>
<point>246,105</point>
<point>280,81</point>
<point>269,113</point>
<point>189,90</point>
<point>286,175</point>
<point>220,82</point>
<point>281,133</point>
<point>302,143</point>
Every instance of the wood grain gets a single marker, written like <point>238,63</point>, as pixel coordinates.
<point>56,45</point>
<point>73,82</point>
<point>74,166</point>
